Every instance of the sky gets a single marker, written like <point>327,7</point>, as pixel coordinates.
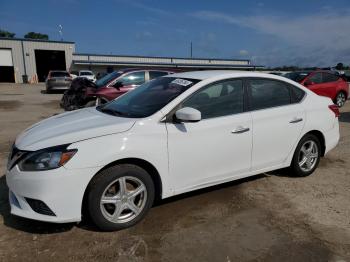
<point>270,33</point>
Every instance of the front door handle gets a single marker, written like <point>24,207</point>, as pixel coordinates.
<point>240,130</point>
<point>295,120</point>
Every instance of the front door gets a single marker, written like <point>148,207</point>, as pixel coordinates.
<point>218,147</point>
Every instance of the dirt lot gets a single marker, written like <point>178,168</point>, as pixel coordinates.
<point>271,217</point>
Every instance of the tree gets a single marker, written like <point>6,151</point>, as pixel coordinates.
<point>34,35</point>
<point>4,33</point>
<point>339,66</point>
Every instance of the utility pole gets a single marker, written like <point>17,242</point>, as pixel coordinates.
<point>60,31</point>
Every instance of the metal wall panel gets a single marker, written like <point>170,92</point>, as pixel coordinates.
<point>28,54</point>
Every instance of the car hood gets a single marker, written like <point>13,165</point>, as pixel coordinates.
<point>71,127</point>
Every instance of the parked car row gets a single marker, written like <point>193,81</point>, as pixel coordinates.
<point>111,86</point>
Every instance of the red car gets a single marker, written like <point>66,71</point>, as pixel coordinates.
<point>119,82</point>
<point>323,83</point>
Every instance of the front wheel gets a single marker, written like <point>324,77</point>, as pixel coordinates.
<point>120,196</point>
<point>306,156</point>
<point>340,99</point>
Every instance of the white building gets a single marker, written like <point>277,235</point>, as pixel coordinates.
<point>22,59</point>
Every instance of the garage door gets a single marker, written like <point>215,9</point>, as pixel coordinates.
<point>6,57</point>
<point>7,73</point>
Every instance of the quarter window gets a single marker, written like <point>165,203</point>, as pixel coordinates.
<point>297,94</point>
<point>137,78</point>
<point>266,93</point>
<point>219,99</point>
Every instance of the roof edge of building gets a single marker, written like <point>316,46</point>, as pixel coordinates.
<point>165,57</point>
<point>36,40</point>
<point>91,62</point>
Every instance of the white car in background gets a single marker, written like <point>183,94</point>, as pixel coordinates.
<point>174,134</point>
<point>87,74</point>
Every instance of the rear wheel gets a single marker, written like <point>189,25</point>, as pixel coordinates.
<point>340,99</point>
<point>120,196</point>
<point>306,156</point>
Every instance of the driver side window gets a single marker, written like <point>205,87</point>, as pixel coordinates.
<point>218,99</point>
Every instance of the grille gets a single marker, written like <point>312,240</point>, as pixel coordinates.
<point>40,207</point>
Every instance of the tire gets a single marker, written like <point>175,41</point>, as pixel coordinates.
<point>340,99</point>
<point>111,209</point>
<point>313,158</point>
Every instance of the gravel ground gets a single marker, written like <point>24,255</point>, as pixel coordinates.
<point>269,217</point>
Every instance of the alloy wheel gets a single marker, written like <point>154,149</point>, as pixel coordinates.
<point>123,199</point>
<point>308,156</point>
<point>341,99</point>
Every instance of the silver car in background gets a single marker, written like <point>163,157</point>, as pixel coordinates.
<point>58,80</point>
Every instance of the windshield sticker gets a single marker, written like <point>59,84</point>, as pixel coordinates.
<point>181,82</point>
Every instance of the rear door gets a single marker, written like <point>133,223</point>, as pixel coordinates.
<point>277,121</point>
<point>330,83</point>
<point>316,84</point>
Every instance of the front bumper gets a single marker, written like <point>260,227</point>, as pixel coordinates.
<point>61,190</point>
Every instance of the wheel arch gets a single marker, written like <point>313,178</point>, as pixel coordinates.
<point>150,168</point>
<point>320,137</point>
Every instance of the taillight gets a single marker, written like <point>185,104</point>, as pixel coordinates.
<point>335,110</point>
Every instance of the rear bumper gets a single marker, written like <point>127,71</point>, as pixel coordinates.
<point>332,137</point>
<point>61,190</point>
<point>58,85</point>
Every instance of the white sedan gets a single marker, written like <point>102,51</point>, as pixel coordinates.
<point>87,74</point>
<point>172,135</point>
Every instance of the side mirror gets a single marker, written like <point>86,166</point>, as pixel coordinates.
<point>308,83</point>
<point>188,114</point>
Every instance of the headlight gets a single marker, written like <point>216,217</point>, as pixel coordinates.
<point>46,159</point>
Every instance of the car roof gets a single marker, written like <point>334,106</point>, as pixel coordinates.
<point>207,74</point>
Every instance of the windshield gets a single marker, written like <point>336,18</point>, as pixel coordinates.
<point>297,76</point>
<point>108,78</point>
<point>86,73</point>
<point>148,98</point>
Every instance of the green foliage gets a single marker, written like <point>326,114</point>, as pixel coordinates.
<point>34,35</point>
<point>4,33</point>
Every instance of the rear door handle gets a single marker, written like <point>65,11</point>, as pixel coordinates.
<point>240,130</point>
<point>295,120</point>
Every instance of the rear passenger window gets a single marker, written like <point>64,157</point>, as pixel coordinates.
<point>218,99</point>
<point>326,78</point>
<point>266,93</point>
<point>316,78</point>
<point>297,94</point>
<point>155,74</point>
